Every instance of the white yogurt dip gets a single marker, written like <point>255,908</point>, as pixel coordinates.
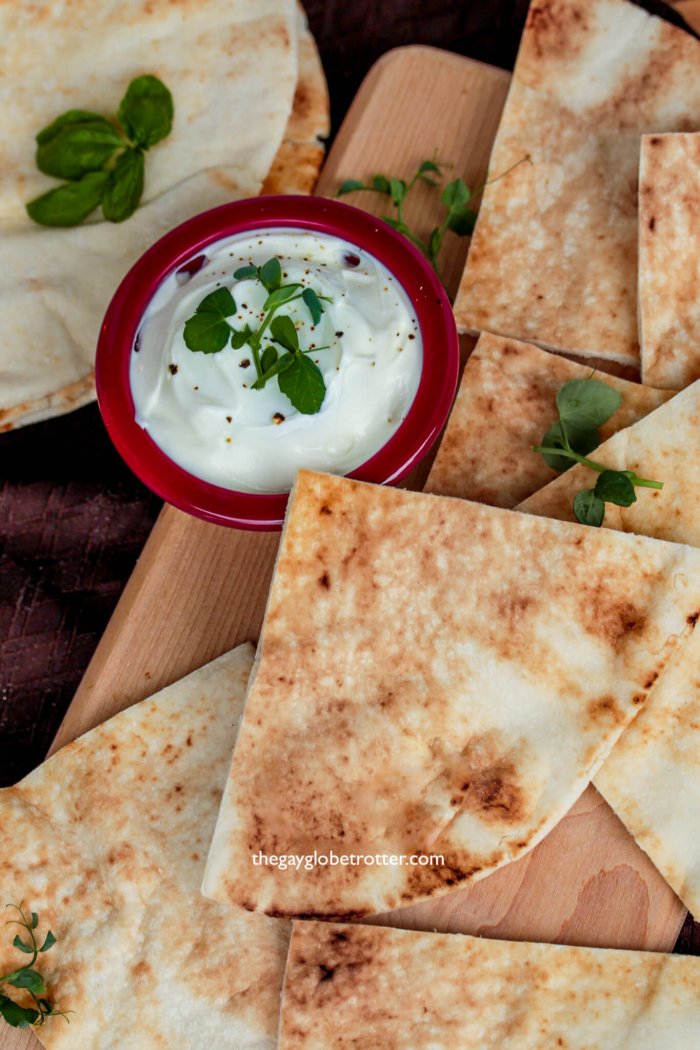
<point>200,409</point>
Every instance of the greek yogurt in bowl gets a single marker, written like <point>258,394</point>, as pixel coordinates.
<point>203,410</point>
<point>215,399</point>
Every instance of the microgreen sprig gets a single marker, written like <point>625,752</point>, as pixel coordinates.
<point>103,160</point>
<point>456,196</point>
<point>26,977</point>
<point>584,405</point>
<point>208,331</point>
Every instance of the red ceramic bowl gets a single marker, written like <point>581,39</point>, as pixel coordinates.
<point>247,510</point>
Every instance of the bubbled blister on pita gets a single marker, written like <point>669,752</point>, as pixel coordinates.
<point>436,677</point>
<point>553,259</point>
<point>106,842</point>
<point>232,70</point>
<point>398,989</point>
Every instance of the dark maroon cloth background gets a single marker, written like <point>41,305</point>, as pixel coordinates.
<point>73,518</point>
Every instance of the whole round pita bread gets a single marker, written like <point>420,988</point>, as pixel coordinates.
<point>220,61</point>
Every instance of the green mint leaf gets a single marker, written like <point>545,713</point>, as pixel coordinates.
<point>35,920</point>
<point>455,195</point>
<point>206,333</point>
<point>240,338</point>
<point>587,403</point>
<point>280,296</point>
<point>125,186</point>
<point>70,203</point>
<point>435,241</point>
<point>284,332</point>
<point>381,184</point>
<point>581,441</point>
<point>146,111</point>
<point>588,508</point>
<point>397,189</point>
<point>78,148</point>
<point>426,178</point>
<point>462,222</point>
<point>614,486</point>
<point>219,302</point>
<point>49,942</point>
<point>29,979</point>
<point>349,186</point>
<point>72,116</point>
<point>244,272</point>
<point>21,946</point>
<point>313,303</point>
<point>281,365</point>
<point>15,1015</point>
<point>268,359</point>
<point>270,273</point>
<point>429,165</point>
<point>302,382</point>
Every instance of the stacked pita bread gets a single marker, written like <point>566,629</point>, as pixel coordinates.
<point>423,689</point>
<point>106,842</point>
<point>235,69</point>
<point>661,749</point>
<point>366,986</point>
<point>669,259</point>
<point>554,256</point>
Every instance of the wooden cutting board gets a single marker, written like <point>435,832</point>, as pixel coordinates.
<point>199,589</point>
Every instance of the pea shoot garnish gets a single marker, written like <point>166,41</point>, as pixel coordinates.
<point>103,160</point>
<point>456,196</point>
<point>26,977</point>
<point>584,405</point>
<point>209,330</point>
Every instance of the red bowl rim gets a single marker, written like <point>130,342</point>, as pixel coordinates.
<point>261,511</point>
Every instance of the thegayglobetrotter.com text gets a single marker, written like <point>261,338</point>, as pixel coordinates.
<point>309,861</point>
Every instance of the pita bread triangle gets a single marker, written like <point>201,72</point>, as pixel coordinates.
<point>505,403</point>
<point>669,259</point>
<point>553,259</point>
<point>652,778</point>
<point>413,680</point>
<point>106,842</point>
<point>368,986</point>
<point>659,750</point>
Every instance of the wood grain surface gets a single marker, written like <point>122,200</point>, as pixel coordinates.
<point>199,589</point>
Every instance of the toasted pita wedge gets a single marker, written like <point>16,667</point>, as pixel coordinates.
<point>661,750</point>
<point>367,986</point>
<point>505,403</point>
<point>106,842</point>
<point>437,678</point>
<point>669,259</point>
<point>232,69</point>
<point>554,255</point>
